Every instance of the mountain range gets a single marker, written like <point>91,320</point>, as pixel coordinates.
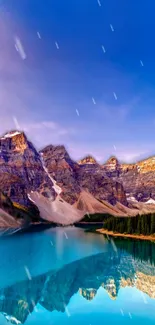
<point>62,190</point>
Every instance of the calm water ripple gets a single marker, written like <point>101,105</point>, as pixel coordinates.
<point>67,276</point>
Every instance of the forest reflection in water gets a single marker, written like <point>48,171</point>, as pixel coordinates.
<point>125,263</point>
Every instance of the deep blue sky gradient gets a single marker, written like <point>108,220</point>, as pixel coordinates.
<point>44,91</point>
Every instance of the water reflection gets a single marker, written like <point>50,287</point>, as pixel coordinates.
<point>131,265</point>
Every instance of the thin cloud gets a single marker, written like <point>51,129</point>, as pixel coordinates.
<point>116,113</point>
<point>47,132</point>
<point>43,126</point>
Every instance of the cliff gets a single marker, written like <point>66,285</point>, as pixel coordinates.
<point>21,169</point>
<point>137,179</point>
<point>73,178</point>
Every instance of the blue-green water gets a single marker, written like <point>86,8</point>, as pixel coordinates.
<point>66,276</point>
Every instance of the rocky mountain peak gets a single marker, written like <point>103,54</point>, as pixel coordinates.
<point>113,160</point>
<point>57,158</point>
<point>13,140</point>
<point>57,152</point>
<point>21,169</point>
<point>87,293</point>
<point>63,169</point>
<point>87,160</point>
<point>112,164</point>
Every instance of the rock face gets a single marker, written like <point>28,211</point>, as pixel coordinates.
<point>7,221</point>
<point>57,211</point>
<point>13,215</point>
<point>21,169</point>
<point>101,186</point>
<point>88,294</point>
<point>137,179</point>
<point>146,284</point>
<point>87,175</point>
<point>52,172</point>
<point>112,166</point>
<point>64,170</point>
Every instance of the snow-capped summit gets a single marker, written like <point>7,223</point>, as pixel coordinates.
<point>11,134</point>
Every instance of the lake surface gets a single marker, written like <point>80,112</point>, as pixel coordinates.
<point>66,276</point>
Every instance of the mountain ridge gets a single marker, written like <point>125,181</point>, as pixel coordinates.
<point>51,172</point>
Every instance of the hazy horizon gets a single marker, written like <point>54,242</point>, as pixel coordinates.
<point>141,157</point>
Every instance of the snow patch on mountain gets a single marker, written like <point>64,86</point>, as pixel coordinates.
<point>131,198</point>
<point>11,134</point>
<point>57,189</point>
<point>150,201</point>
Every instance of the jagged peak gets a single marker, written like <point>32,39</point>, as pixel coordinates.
<point>51,147</point>
<point>12,134</point>
<point>88,293</point>
<point>58,152</point>
<point>15,140</point>
<point>113,160</point>
<point>87,160</point>
<point>112,164</point>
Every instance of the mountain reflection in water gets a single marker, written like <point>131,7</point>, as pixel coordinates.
<point>124,263</point>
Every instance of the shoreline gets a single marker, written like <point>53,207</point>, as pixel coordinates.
<point>111,233</point>
<point>90,222</point>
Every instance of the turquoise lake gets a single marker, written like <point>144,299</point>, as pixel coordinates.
<point>67,276</point>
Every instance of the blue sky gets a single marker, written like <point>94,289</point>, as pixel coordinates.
<point>86,78</point>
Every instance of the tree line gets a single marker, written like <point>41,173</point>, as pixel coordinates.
<point>140,224</point>
<point>141,250</point>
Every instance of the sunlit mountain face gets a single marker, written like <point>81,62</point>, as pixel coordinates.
<point>93,283</point>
